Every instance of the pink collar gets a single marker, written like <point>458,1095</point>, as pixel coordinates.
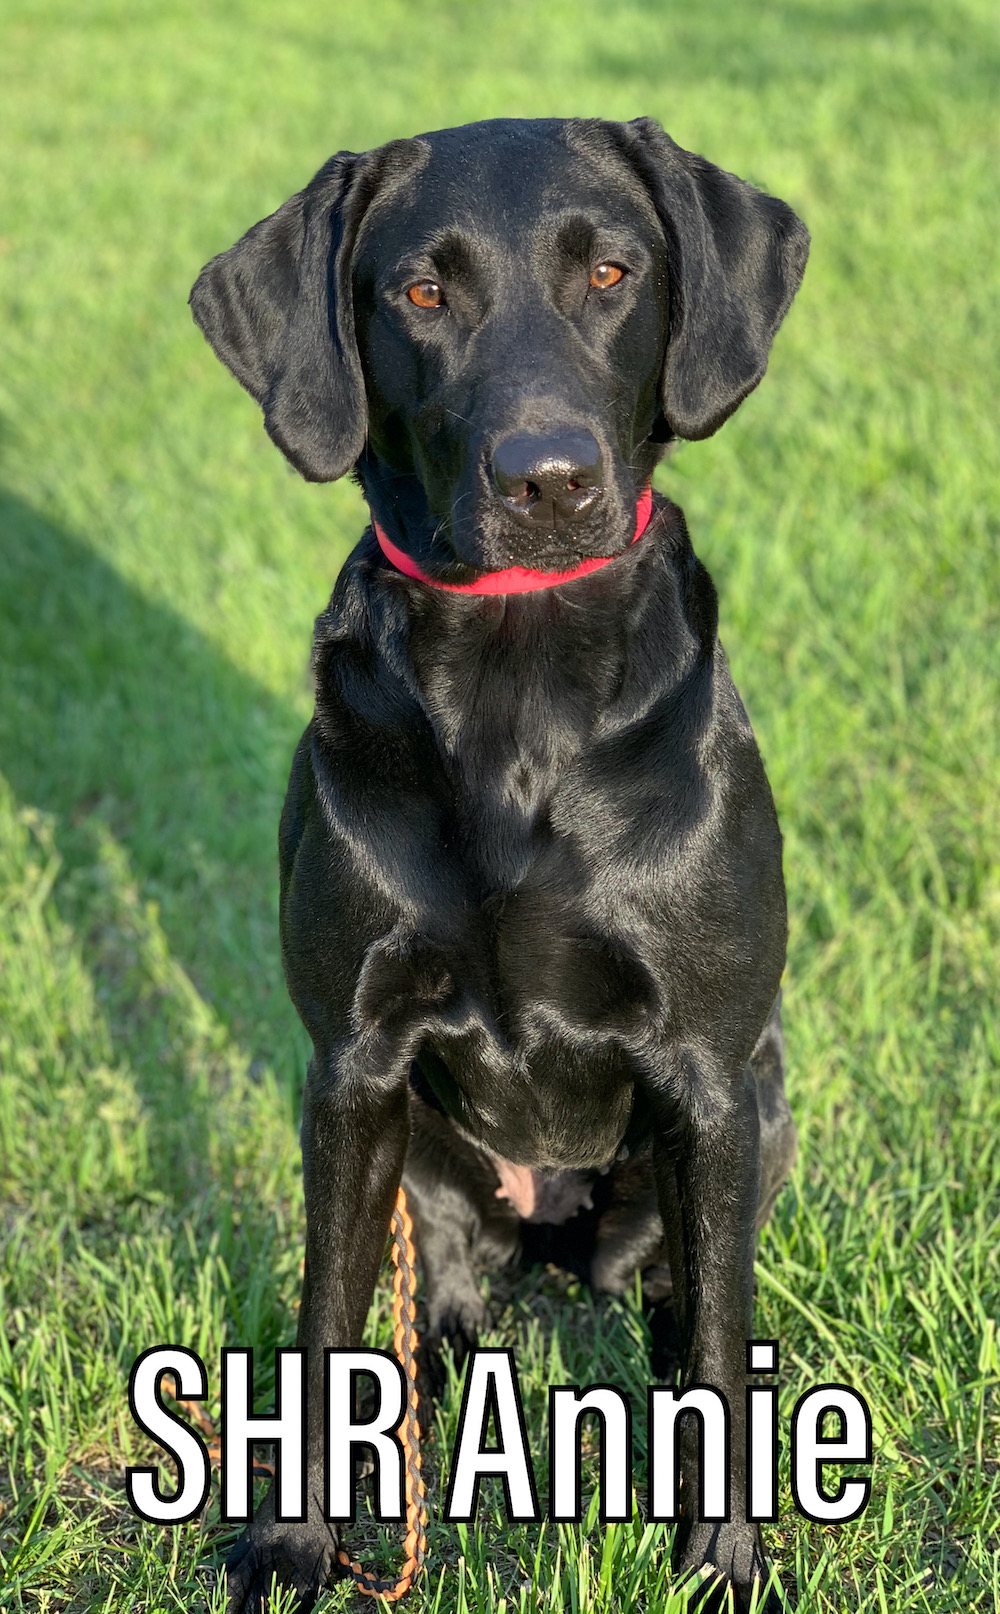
<point>516,579</point>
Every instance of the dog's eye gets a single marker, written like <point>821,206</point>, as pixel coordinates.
<point>426,294</point>
<point>605,275</point>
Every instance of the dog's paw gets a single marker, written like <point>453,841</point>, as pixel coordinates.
<point>724,1567</point>
<point>432,1376</point>
<point>298,1557</point>
<point>455,1332</point>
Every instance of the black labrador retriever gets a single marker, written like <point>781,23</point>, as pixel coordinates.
<point>532,915</point>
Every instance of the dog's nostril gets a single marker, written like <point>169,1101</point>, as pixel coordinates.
<point>522,494</point>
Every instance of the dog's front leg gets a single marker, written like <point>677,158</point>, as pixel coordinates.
<point>706,1156</point>
<point>354,1136</point>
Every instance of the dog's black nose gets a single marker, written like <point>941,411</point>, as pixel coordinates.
<point>549,481</point>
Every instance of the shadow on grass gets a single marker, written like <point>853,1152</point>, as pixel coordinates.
<point>117,716</point>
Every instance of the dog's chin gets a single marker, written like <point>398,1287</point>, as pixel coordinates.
<point>493,541</point>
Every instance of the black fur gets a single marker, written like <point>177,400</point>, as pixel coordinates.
<point>532,901</point>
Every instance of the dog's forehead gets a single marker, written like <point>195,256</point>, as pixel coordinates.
<point>508,177</point>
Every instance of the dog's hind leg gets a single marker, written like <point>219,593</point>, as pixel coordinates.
<point>778,1135</point>
<point>460,1227</point>
<point>629,1239</point>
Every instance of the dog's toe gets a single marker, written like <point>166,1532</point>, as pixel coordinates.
<point>727,1572</point>
<point>295,1557</point>
<point>457,1329</point>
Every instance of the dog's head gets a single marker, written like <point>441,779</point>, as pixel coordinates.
<point>500,325</point>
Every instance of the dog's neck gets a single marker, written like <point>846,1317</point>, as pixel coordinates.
<point>509,693</point>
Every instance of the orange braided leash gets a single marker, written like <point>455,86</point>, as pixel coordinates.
<point>404,1313</point>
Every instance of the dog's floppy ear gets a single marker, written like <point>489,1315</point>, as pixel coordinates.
<point>278,310</point>
<point>736,258</point>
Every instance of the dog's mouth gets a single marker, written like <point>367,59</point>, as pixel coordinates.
<point>542,500</point>
<point>461,533</point>
<point>484,534</point>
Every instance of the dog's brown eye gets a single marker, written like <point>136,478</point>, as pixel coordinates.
<point>605,275</point>
<point>426,294</point>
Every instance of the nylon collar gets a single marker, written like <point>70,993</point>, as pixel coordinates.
<point>515,579</point>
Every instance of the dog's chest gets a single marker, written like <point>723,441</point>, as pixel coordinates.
<point>543,1002</point>
<point>511,721</point>
<point>541,837</point>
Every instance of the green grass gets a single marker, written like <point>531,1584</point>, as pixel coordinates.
<point>159,572</point>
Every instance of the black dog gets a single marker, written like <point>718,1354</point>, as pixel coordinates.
<point>533,915</point>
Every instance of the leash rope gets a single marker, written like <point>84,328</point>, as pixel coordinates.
<point>404,1312</point>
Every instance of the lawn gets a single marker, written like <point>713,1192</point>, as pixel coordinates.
<point>159,572</point>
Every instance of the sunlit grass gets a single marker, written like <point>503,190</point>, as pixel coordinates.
<point>159,572</point>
